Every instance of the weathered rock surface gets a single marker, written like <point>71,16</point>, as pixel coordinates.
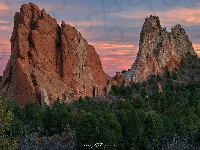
<point>159,50</point>
<point>48,61</point>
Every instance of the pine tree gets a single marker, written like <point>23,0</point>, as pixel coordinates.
<point>5,122</point>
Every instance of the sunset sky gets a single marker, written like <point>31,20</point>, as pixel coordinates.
<point>112,26</point>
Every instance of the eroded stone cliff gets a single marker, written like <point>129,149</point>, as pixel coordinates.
<point>48,61</point>
<point>159,50</point>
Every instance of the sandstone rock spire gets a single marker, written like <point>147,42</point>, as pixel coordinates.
<point>159,50</point>
<point>48,61</point>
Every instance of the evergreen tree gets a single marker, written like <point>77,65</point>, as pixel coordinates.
<point>5,122</point>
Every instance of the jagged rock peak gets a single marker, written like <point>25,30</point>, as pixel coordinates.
<point>159,50</point>
<point>48,61</point>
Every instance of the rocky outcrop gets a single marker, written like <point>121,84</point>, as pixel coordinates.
<point>159,88</point>
<point>119,78</point>
<point>159,50</point>
<point>48,61</point>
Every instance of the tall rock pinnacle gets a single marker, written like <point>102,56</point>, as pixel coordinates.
<point>159,50</point>
<point>48,61</point>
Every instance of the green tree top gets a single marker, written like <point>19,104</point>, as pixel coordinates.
<point>5,122</point>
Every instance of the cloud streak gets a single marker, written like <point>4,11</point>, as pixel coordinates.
<point>179,15</point>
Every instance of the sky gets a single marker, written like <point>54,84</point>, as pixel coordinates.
<point>112,26</point>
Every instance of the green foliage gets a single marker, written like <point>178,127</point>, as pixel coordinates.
<point>131,126</point>
<point>182,71</point>
<point>87,132</point>
<point>143,93</point>
<point>123,71</point>
<point>136,86</point>
<point>169,85</point>
<point>188,53</point>
<point>168,73</point>
<point>98,128</point>
<point>123,91</point>
<point>139,102</point>
<point>182,63</point>
<point>6,117</point>
<point>153,127</point>
<point>144,84</point>
<point>158,77</point>
<point>151,81</point>
<point>130,123</point>
<point>195,66</point>
<point>174,75</point>
<point>198,72</point>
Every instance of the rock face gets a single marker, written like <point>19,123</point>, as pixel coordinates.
<point>159,50</point>
<point>48,61</point>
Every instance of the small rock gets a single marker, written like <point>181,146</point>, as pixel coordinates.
<point>159,88</point>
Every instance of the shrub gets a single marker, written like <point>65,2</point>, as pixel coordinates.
<point>174,75</point>
<point>143,93</point>
<point>95,128</point>
<point>198,72</point>
<point>168,73</point>
<point>151,81</point>
<point>182,63</point>
<point>123,71</point>
<point>195,66</point>
<point>158,77</point>
<point>183,72</point>
<point>144,84</point>
<point>188,53</point>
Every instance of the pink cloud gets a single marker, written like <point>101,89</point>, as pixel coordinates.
<point>197,48</point>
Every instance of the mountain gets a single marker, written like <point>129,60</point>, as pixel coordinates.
<point>159,50</point>
<point>49,61</point>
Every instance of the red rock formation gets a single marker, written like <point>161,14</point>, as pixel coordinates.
<point>48,61</point>
<point>159,50</point>
<point>119,78</point>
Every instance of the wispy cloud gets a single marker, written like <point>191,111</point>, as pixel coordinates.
<point>178,15</point>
